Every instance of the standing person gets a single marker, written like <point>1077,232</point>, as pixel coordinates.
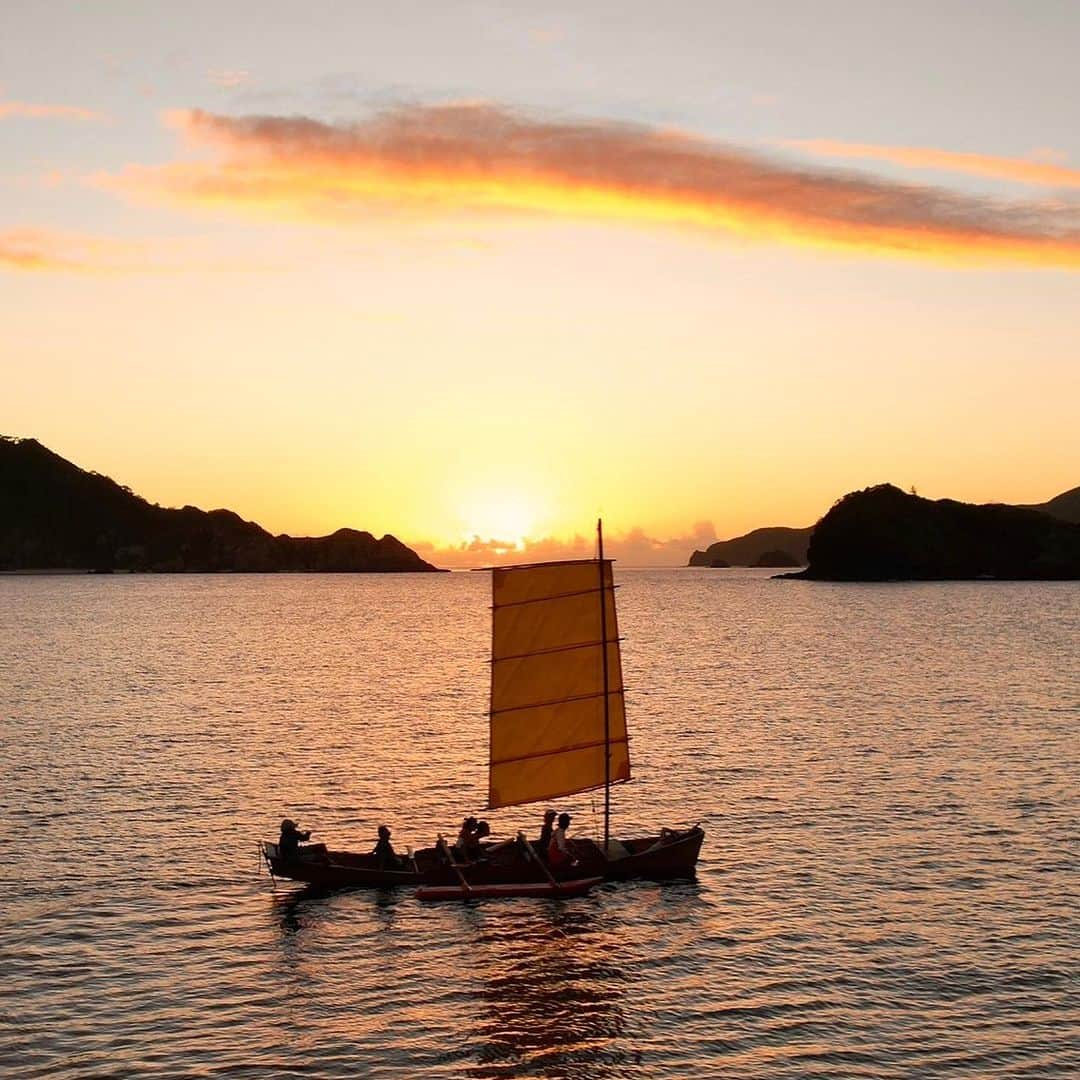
<point>559,854</point>
<point>289,840</point>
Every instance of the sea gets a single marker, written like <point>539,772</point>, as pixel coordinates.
<point>888,776</point>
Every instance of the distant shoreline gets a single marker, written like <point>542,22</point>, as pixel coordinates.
<point>78,572</point>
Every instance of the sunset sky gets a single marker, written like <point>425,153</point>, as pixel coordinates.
<point>476,273</point>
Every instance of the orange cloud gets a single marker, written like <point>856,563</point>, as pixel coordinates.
<point>1020,170</point>
<point>40,112</point>
<point>479,158</point>
<point>51,250</point>
<point>43,249</point>
<point>631,548</point>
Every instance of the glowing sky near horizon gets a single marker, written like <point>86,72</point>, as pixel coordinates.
<point>458,271</point>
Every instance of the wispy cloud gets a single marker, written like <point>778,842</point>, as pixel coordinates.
<point>632,548</point>
<point>1032,170</point>
<point>36,111</point>
<point>229,79</point>
<point>49,250</point>
<point>43,250</point>
<point>481,158</point>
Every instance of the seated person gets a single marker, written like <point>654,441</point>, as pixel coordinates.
<point>384,850</point>
<point>559,853</point>
<point>467,838</point>
<point>542,844</point>
<point>473,850</point>
<point>289,840</point>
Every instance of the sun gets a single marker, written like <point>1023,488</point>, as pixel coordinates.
<point>507,519</point>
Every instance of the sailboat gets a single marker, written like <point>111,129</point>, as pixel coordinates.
<point>557,728</point>
<point>558,709</point>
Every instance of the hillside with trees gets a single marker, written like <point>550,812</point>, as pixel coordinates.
<point>883,533</point>
<point>56,516</point>
<point>777,546</point>
<point>762,547</point>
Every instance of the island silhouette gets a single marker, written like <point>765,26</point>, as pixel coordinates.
<point>56,516</point>
<point>770,546</point>
<point>882,533</point>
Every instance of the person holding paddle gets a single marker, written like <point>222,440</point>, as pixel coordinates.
<point>473,849</point>
<point>559,853</point>
<point>546,831</point>
<point>467,838</point>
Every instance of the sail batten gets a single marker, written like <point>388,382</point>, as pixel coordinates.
<point>554,649</point>
<point>557,596</point>
<point>557,721</point>
<point>548,704</point>
<point>556,794</point>
<point>550,753</point>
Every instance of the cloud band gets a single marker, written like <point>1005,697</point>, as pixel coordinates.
<point>482,159</point>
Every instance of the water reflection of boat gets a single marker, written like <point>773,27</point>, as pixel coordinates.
<point>551,996</point>
<point>292,909</point>
<point>557,728</point>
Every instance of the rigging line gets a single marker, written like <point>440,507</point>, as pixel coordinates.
<point>604,569</point>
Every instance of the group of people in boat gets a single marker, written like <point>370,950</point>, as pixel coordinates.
<point>552,846</point>
<point>469,843</point>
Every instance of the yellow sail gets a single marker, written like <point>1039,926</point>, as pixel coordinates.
<point>549,633</point>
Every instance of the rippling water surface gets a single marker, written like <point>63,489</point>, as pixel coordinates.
<point>887,775</point>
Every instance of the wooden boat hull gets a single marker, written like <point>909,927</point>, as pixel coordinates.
<point>340,869</point>
<point>673,854</point>
<point>575,887</point>
<point>670,855</point>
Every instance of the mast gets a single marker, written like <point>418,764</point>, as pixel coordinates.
<point>604,661</point>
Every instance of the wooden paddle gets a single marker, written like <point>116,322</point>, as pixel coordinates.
<point>448,851</point>
<point>540,862</point>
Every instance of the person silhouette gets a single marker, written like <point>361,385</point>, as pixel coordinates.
<point>559,853</point>
<point>289,840</point>
<point>384,850</point>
